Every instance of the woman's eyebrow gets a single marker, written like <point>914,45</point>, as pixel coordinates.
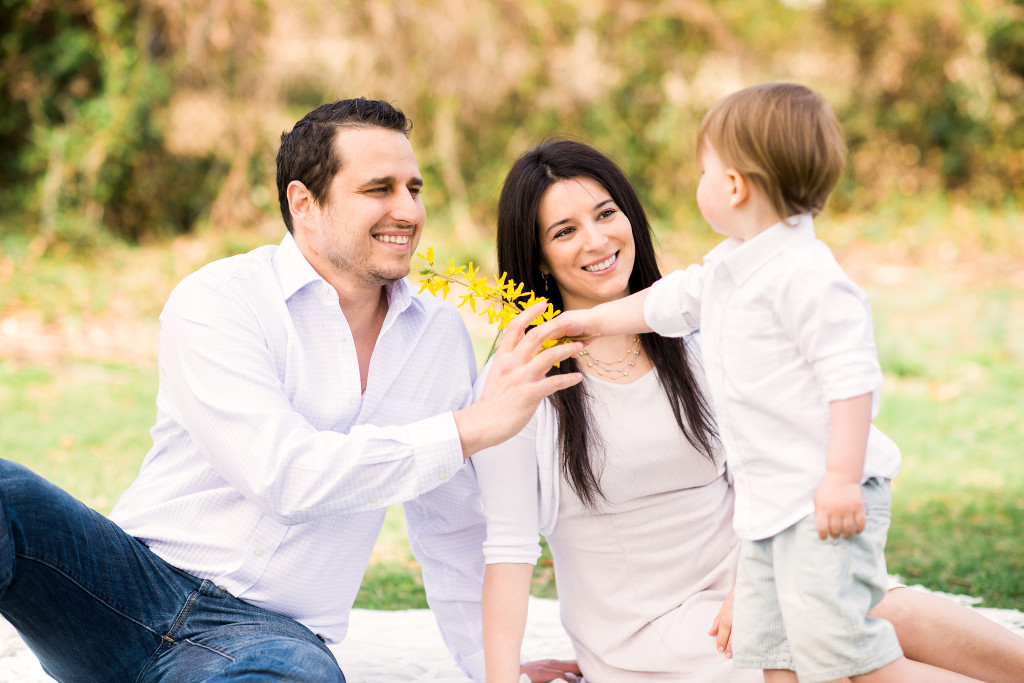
<point>566,220</point>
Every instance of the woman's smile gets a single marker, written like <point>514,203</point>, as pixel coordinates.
<point>603,265</point>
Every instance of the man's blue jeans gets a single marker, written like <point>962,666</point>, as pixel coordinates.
<point>94,604</point>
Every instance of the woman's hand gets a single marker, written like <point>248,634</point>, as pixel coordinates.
<point>722,626</point>
<point>546,670</point>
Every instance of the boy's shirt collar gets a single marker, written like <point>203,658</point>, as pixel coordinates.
<point>741,259</point>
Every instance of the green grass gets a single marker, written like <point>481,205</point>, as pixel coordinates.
<point>953,401</point>
<point>83,426</point>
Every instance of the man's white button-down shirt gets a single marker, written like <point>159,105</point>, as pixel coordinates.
<point>270,471</point>
<point>784,332</point>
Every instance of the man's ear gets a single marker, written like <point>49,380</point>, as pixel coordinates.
<point>300,202</point>
<point>739,189</point>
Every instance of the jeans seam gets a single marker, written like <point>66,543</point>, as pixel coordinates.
<point>183,614</point>
<point>214,650</point>
<point>86,590</point>
<point>168,641</point>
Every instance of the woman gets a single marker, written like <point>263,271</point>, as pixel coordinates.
<point>623,475</point>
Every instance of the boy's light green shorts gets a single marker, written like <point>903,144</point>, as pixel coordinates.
<point>801,603</point>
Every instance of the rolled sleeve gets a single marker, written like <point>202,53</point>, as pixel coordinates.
<point>672,308</point>
<point>829,316</point>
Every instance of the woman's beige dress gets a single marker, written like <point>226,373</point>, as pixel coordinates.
<point>641,578</point>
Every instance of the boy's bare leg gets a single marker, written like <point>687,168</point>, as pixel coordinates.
<point>944,634</point>
<point>779,676</point>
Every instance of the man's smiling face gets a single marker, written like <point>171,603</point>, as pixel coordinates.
<point>371,222</point>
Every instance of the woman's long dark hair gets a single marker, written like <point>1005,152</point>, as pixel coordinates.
<point>519,255</point>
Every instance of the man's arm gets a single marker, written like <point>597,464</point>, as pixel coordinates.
<point>220,382</point>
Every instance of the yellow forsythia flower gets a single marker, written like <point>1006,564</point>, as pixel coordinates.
<point>503,301</point>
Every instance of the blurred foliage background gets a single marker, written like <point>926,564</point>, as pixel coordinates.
<point>137,119</point>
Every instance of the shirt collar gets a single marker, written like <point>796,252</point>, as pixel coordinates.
<point>294,272</point>
<point>742,259</point>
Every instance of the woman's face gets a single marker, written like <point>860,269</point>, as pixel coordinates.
<point>586,243</point>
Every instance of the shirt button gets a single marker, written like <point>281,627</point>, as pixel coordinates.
<point>373,499</point>
<point>442,476</point>
<point>259,553</point>
<point>351,399</point>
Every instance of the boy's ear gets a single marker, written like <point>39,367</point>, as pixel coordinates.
<point>739,190</point>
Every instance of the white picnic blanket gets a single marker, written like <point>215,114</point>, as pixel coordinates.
<point>406,645</point>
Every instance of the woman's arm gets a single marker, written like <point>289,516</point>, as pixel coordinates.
<point>504,605</point>
<point>937,631</point>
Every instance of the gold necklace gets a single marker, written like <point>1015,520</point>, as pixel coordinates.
<point>604,368</point>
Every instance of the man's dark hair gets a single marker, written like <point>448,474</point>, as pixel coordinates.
<point>307,152</point>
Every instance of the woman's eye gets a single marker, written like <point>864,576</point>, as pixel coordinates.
<point>563,232</point>
<point>606,213</point>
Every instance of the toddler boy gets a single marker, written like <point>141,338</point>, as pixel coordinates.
<point>794,379</point>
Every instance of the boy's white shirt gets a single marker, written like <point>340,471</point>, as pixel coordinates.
<point>784,332</point>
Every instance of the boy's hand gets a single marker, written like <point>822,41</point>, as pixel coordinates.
<point>839,507</point>
<point>579,324</point>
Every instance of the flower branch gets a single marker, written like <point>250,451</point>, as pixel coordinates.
<point>501,302</point>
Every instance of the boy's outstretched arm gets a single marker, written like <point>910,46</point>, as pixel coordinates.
<point>622,316</point>
<point>838,502</point>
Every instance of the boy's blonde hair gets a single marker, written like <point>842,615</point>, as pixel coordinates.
<point>782,137</point>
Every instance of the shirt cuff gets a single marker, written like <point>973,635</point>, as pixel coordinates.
<point>849,374</point>
<point>511,554</point>
<point>440,435</point>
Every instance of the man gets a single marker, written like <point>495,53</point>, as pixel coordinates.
<point>303,389</point>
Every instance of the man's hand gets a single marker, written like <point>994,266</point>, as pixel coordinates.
<point>721,628</point>
<point>839,507</point>
<point>546,670</point>
<point>517,382</point>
